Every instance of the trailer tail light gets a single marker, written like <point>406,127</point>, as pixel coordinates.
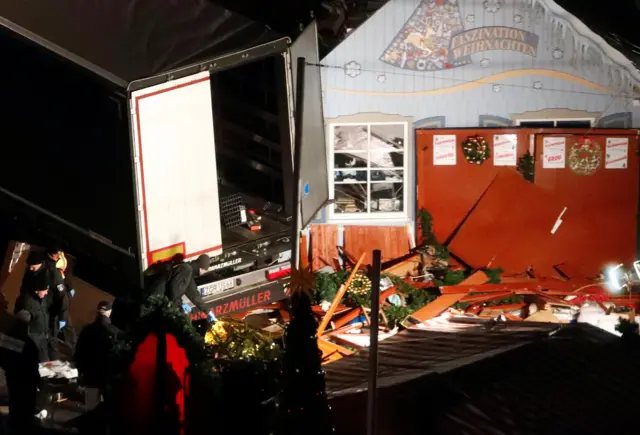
<point>278,272</point>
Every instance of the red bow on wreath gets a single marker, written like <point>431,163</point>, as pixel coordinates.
<point>586,141</point>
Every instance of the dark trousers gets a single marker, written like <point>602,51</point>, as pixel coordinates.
<point>22,382</point>
<point>43,344</point>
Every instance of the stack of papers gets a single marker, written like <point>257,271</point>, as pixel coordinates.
<point>57,369</point>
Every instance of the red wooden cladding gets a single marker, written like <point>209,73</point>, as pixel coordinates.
<point>392,241</point>
<point>509,227</point>
<point>324,245</point>
<point>599,225</point>
<point>449,192</point>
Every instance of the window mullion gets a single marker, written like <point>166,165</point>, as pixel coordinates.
<point>368,168</point>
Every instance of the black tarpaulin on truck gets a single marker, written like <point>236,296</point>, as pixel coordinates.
<point>125,40</point>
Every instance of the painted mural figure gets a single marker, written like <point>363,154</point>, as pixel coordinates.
<point>423,42</point>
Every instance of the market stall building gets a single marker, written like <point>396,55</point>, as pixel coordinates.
<point>405,91</point>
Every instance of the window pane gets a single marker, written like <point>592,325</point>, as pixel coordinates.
<point>388,137</point>
<point>350,137</point>
<point>350,198</point>
<point>350,176</point>
<point>573,124</point>
<point>389,176</point>
<point>387,146</point>
<point>537,124</point>
<point>386,197</point>
<point>383,159</point>
<point>350,160</point>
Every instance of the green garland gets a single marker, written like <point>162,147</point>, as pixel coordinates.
<point>509,300</point>
<point>494,275</point>
<point>232,340</point>
<point>158,314</point>
<point>327,284</point>
<point>475,150</point>
<point>526,167</point>
<point>428,236</point>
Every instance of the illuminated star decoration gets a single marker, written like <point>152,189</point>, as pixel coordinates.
<point>301,281</point>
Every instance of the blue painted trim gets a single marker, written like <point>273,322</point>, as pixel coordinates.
<point>431,122</point>
<point>494,121</point>
<point>616,120</point>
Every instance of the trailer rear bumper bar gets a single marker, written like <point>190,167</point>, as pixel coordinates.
<point>244,292</point>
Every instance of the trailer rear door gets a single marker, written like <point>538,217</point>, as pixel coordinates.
<point>314,181</point>
<point>175,167</point>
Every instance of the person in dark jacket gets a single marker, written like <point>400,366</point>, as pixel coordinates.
<point>19,359</point>
<point>35,303</point>
<point>93,352</point>
<point>58,293</point>
<point>34,272</point>
<point>181,284</point>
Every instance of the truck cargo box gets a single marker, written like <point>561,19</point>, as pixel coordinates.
<point>123,120</point>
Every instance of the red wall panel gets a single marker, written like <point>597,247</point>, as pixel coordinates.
<point>392,241</point>
<point>449,192</point>
<point>324,245</point>
<point>600,222</point>
<point>509,227</point>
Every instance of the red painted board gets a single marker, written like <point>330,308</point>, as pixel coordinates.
<point>450,192</point>
<point>509,227</point>
<point>600,224</point>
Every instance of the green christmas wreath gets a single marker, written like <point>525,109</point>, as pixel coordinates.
<point>156,315</point>
<point>475,149</point>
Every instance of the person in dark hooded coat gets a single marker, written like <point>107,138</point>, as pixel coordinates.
<point>93,350</point>
<point>36,304</point>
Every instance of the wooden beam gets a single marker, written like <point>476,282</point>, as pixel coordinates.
<point>550,286</point>
<point>6,263</point>
<point>339,295</point>
<point>434,308</point>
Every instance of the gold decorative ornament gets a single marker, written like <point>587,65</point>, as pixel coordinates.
<point>360,285</point>
<point>585,157</point>
<point>476,150</point>
<point>232,339</point>
<point>217,333</point>
<point>301,281</point>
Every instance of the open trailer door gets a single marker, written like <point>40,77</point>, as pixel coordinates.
<point>175,167</point>
<point>314,182</point>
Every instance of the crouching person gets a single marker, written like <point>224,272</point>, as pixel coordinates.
<point>92,355</point>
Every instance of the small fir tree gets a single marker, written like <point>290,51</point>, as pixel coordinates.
<point>302,406</point>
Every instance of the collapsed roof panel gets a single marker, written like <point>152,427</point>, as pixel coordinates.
<point>124,40</point>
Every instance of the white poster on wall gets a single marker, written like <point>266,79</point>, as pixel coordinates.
<point>505,149</point>
<point>444,150</point>
<point>617,155</point>
<point>554,152</point>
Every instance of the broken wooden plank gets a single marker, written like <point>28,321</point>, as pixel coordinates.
<point>433,309</point>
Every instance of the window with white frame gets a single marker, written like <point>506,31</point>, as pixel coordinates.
<point>368,170</point>
<point>559,123</point>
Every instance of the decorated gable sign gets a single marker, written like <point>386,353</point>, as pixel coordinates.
<point>444,150</point>
<point>617,153</point>
<point>554,152</point>
<point>434,38</point>
<point>493,38</point>
<point>423,42</point>
<point>505,149</point>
